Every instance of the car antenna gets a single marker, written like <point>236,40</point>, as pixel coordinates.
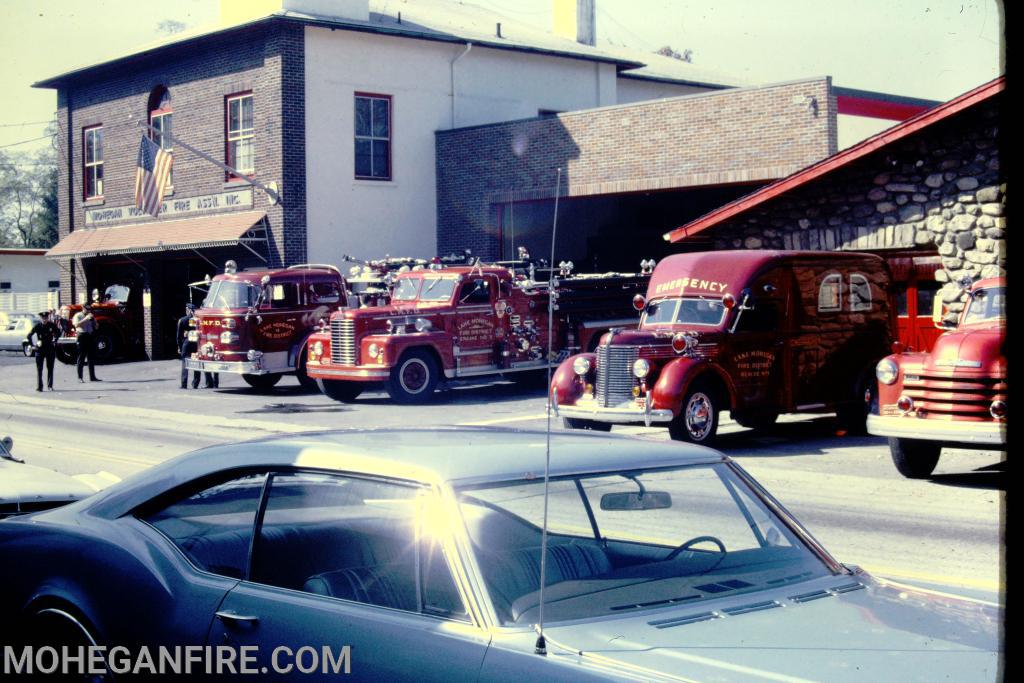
<point>540,647</point>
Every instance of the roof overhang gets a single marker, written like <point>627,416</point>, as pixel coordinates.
<point>836,161</point>
<point>219,230</point>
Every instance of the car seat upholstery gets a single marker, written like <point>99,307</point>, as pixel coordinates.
<point>387,585</point>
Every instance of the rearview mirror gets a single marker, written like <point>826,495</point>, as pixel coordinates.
<point>648,500</point>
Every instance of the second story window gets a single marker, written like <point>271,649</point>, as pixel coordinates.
<point>160,118</point>
<point>92,162</point>
<point>373,136</point>
<point>240,150</point>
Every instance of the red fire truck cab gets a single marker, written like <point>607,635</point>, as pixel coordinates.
<point>757,333</point>
<point>954,395</point>
<point>256,322</point>
<point>463,322</point>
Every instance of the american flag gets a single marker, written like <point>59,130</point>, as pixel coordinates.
<point>151,176</point>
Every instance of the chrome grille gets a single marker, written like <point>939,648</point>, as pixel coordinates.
<point>954,397</point>
<point>343,342</point>
<point>614,381</point>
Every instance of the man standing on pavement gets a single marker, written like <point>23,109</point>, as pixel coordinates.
<point>43,337</point>
<point>187,347</point>
<point>85,326</point>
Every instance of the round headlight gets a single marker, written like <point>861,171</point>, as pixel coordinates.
<point>886,371</point>
<point>905,404</point>
<point>581,366</point>
<point>640,368</point>
<point>422,324</point>
<point>373,350</point>
<point>389,326</point>
<point>318,348</point>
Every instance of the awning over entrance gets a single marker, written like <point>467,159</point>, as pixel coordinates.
<point>220,230</point>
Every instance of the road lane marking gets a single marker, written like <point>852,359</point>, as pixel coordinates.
<point>503,420</point>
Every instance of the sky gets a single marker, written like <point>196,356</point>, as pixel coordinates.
<point>934,49</point>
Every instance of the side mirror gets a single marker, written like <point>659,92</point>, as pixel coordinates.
<point>942,318</point>
<point>648,500</point>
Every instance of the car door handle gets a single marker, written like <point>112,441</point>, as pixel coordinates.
<point>230,617</point>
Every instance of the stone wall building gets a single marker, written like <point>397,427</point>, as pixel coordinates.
<point>929,194</point>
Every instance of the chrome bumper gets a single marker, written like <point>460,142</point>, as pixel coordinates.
<point>353,373</point>
<point>624,413</point>
<point>990,433</point>
<point>236,367</point>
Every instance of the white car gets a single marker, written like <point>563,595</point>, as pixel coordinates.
<point>14,334</point>
<point>28,488</point>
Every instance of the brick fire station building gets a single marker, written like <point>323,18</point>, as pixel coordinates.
<point>410,129</point>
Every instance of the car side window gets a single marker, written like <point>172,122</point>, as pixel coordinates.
<point>356,539</point>
<point>214,527</point>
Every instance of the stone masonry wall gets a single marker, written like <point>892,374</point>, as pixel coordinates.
<point>940,187</point>
<point>717,138</point>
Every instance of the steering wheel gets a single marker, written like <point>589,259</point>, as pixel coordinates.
<point>694,541</point>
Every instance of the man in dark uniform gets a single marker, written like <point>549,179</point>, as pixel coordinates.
<point>186,347</point>
<point>43,337</point>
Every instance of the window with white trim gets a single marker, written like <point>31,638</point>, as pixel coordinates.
<point>830,294</point>
<point>160,119</point>
<point>92,162</point>
<point>240,133</point>
<point>373,136</point>
<point>860,293</point>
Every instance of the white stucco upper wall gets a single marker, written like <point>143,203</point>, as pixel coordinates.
<point>638,90</point>
<point>369,218</point>
<point>27,272</point>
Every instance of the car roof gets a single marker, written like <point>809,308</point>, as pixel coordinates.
<point>460,457</point>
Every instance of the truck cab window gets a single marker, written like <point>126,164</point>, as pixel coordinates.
<point>763,317</point>
<point>475,292</point>
<point>324,293</point>
<point>283,295</point>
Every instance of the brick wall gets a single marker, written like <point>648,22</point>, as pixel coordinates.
<point>716,138</point>
<point>266,59</point>
<point>940,188</point>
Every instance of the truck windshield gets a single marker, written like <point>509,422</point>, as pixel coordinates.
<point>437,289</point>
<point>689,311</point>
<point>986,304</point>
<point>406,289</point>
<point>228,294</point>
<point>117,293</point>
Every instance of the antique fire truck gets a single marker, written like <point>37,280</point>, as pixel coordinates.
<point>757,333</point>
<point>953,396</point>
<point>457,322</point>
<point>256,322</point>
<point>118,325</point>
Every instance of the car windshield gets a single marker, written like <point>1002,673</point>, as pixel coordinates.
<point>688,311</point>
<point>630,540</point>
<point>986,304</point>
<point>230,294</point>
<point>116,293</point>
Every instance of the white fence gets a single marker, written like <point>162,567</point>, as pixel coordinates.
<point>31,302</point>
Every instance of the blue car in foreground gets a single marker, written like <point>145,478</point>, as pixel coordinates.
<point>418,554</point>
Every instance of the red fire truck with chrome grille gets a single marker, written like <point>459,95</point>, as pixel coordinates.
<point>465,322</point>
<point>954,395</point>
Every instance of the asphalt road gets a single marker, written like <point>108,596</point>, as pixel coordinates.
<point>944,531</point>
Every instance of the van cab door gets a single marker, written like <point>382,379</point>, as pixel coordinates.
<point>475,323</point>
<point>755,353</point>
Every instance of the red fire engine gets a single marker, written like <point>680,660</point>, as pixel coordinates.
<point>256,322</point>
<point>954,395</point>
<point>118,325</point>
<point>465,321</point>
<point>757,333</point>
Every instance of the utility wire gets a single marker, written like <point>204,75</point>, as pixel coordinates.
<point>26,123</point>
<point>23,142</point>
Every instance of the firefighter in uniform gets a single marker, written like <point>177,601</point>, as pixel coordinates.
<point>186,347</point>
<point>43,337</point>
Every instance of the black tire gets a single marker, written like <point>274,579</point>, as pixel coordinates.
<point>262,382</point>
<point>591,425</point>
<point>697,421</point>
<point>414,377</point>
<point>339,390</point>
<point>756,420</point>
<point>853,416</point>
<point>914,459</point>
<point>67,353</point>
<point>106,345</point>
<point>308,383</point>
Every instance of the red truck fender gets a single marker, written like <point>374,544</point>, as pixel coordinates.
<point>679,374</point>
<point>567,382</point>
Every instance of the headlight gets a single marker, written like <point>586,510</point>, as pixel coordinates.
<point>581,366</point>
<point>193,335</point>
<point>422,324</point>
<point>886,371</point>
<point>389,326</point>
<point>228,338</point>
<point>373,350</point>
<point>229,323</point>
<point>640,368</point>
<point>254,354</point>
<point>318,348</point>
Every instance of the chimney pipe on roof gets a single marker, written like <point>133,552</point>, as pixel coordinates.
<point>575,20</point>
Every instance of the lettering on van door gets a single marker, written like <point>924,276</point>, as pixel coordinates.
<point>754,364</point>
